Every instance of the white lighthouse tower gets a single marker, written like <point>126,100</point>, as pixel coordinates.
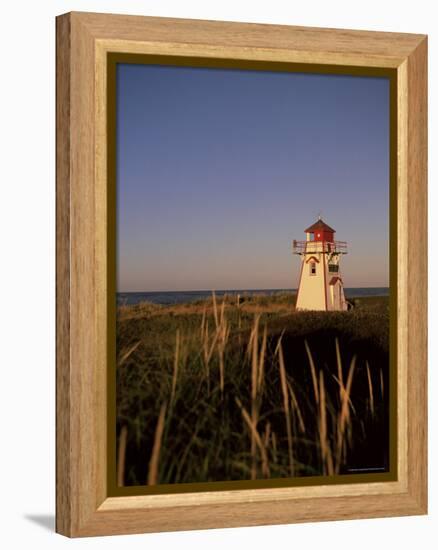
<point>321,287</point>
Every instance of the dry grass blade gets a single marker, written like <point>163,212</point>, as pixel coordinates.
<point>221,373</point>
<point>254,378</point>
<point>262,359</point>
<point>296,408</point>
<point>279,341</point>
<point>339,364</point>
<point>342,393</point>
<point>381,383</point>
<point>204,315</point>
<point>344,415</point>
<point>313,371</point>
<point>370,388</point>
<point>216,319</point>
<point>127,353</point>
<point>121,456</point>
<point>253,336</point>
<point>326,453</point>
<point>255,435</point>
<point>283,381</point>
<point>274,447</point>
<point>175,367</point>
<point>223,332</point>
<point>254,350</point>
<point>207,350</point>
<point>222,315</point>
<point>209,346</point>
<point>155,456</point>
<point>267,434</point>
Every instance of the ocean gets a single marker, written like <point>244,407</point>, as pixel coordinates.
<point>179,297</point>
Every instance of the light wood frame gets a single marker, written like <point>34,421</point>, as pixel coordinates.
<point>83,41</point>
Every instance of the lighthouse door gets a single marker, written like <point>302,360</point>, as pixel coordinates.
<point>336,296</point>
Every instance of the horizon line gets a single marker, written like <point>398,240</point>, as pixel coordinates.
<point>234,289</point>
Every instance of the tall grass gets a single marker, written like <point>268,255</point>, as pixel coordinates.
<point>228,393</point>
<point>285,393</point>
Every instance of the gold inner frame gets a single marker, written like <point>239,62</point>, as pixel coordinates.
<point>105,69</point>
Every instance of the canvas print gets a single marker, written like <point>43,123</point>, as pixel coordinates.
<point>253,275</point>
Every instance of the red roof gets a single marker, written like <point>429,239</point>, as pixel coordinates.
<point>319,226</point>
<point>334,280</point>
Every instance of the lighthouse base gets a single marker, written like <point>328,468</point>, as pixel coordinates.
<point>328,297</point>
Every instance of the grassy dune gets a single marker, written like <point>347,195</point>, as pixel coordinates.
<point>246,388</point>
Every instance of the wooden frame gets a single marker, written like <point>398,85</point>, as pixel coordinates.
<point>83,42</point>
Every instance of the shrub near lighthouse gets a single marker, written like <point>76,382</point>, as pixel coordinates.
<point>321,287</point>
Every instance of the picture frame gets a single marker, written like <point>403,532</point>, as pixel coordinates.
<point>85,44</point>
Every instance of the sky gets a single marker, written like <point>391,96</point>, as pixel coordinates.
<point>218,170</point>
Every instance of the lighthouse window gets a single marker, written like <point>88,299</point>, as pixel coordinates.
<point>333,268</point>
<point>312,268</point>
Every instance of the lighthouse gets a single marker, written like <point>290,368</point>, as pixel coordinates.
<point>320,287</point>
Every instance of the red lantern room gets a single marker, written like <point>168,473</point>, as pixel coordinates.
<point>320,231</point>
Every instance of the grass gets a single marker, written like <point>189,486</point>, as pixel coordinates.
<point>246,387</point>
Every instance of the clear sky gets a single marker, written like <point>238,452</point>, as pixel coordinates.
<point>218,170</point>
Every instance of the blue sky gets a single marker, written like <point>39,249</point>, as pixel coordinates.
<point>218,170</point>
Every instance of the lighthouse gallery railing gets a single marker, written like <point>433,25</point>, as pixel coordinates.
<point>309,247</point>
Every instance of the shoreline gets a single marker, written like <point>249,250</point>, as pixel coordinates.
<point>168,298</point>
<point>280,305</point>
